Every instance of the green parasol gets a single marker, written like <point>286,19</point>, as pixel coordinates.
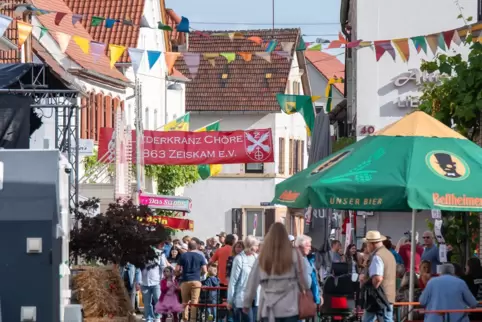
<point>415,163</point>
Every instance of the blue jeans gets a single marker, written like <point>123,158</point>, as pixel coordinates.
<point>240,316</point>
<point>150,294</point>
<point>387,315</point>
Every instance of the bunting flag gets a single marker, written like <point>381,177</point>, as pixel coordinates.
<point>403,49</point>
<point>76,18</point>
<point>211,58</point>
<point>302,104</point>
<point>283,54</point>
<point>63,40</point>
<point>24,30</point>
<point>271,46</point>
<point>432,41</point>
<point>83,43</point>
<point>338,43</point>
<point>448,37</point>
<point>96,21</point>
<point>179,124</point>
<point>329,91</point>
<point>441,42</point>
<point>287,46</point>
<point>420,44</point>
<point>43,31</point>
<point>116,52</point>
<point>144,23</point>
<point>192,61</point>
<point>246,56</point>
<point>152,57</point>
<point>162,26</point>
<point>256,40</point>
<point>382,47</point>
<point>301,45</point>
<point>5,21</point>
<point>97,49</point>
<point>230,57</point>
<point>456,39</point>
<point>314,47</point>
<point>183,25</point>
<point>58,17</point>
<point>266,56</point>
<point>171,60</point>
<point>315,98</point>
<point>136,56</point>
<point>109,23</point>
<point>208,170</point>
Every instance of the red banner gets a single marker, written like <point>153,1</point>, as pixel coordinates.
<point>193,148</point>
<point>171,222</point>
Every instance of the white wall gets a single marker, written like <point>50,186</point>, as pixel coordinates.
<point>318,84</point>
<point>376,96</point>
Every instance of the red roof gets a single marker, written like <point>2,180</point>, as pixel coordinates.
<point>240,85</point>
<point>119,34</point>
<point>328,65</point>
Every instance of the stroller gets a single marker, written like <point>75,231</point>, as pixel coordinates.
<point>339,295</point>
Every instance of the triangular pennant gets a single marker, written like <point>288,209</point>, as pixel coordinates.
<point>246,56</point>
<point>164,27</point>
<point>365,44</point>
<point>192,61</point>
<point>283,54</point>
<point>301,45</point>
<point>144,23</point>
<point>24,30</point>
<point>231,36</point>
<point>229,56</point>
<point>420,43</point>
<point>266,56</point>
<point>448,36</point>
<point>315,98</point>
<point>183,25</point>
<point>353,44</point>
<point>116,52</point>
<point>96,21</point>
<point>127,22</point>
<point>109,22</point>
<point>76,18</point>
<point>153,57</point>
<point>314,47</point>
<point>441,41</point>
<point>83,43</point>
<point>256,40</point>
<point>58,17</point>
<point>5,21</point>
<point>287,46</point>
<point>402,47</point>
<point>97,49</point>
<point>171,58</point>
<point>211,58</point>
<point>63,39</point>
<point>136,56</point>
<point>335,44</point>
<point>341,38</point>
<point>383,46</point>
<point>271,46</point>
<point>456,39</point>
<point>432,41</point>
<point>43,32</point>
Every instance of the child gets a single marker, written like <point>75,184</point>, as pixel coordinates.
<point>168,301</point>
<point>211,296</point>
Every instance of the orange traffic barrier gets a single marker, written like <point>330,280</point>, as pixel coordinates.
<point>441,312</point>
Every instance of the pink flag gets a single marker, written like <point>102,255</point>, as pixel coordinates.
<point>97,49</point>
<point>192,61</point>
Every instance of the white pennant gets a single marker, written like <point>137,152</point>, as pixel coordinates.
<point>287,46</point>
<point>456,38</point>
<point>63,40</point>
<point>265,55</point>
<point>136,56</point>
<point>4,23</point>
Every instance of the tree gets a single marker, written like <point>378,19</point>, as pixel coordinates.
<point>456,100</point>
<point>170,177</point>
<point>122,234</point>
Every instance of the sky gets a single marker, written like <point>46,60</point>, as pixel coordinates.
<point>317,19</point>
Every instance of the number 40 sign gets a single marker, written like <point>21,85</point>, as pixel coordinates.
<point>364,130</point>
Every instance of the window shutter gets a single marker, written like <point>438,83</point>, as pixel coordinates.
<point>84,108</point>
<point>269,218</point>
<point>281,157</point>
<point>237,222</point>
<point>291,156</point>
<point>99,111</point>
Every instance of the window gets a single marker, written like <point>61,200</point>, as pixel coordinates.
<point>296,88</point>
<point>254,168</point>
<point>296,156</point>
<point>254,217</point>
<point>319,108</point>
<point>281,157</point>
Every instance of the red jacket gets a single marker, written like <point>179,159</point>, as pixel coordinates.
<point>404,252</point>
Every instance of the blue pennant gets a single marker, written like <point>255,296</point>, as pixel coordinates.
<point>153,57</point>
<point>183,25</point>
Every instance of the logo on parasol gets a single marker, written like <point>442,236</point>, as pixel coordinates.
<point>447,165</point>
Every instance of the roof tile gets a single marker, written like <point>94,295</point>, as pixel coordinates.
<point>119,34</point>
<point>245,86</point>
<point>328,65</point>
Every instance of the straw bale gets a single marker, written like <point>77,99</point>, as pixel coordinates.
<point>102,293</point>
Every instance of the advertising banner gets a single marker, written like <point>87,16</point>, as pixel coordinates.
<point>171,222</point>
<point>170,203</point>
<point>193,148</point>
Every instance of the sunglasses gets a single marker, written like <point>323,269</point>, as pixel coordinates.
<point>426,237</point>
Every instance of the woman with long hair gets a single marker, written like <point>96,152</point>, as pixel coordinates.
<point>425,273</point>
<point>277,272</point>
<point>237,249</point>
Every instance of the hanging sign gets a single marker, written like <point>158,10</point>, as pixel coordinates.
<point>436,214</point>
<point>169,203</point>
<point>171,222</point>
<point>193,148</point>
<point>437,229</point>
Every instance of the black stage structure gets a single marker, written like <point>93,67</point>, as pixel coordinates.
<point>48,91</point>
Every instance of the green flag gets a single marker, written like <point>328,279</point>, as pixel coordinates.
<point>179,124</point>
<point>162,26</point>
<point>302,104</point>
<point>207,170</point>
<point>43,31</point>
<point>301,45</point>
<point>96,21</point>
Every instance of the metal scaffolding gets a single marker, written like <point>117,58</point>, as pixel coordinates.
<point>38,84</point>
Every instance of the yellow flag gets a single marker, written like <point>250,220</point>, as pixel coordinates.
<point>83,43</point>
<point>24,30</point>
<point>63,40</point>
<point>116,52</point>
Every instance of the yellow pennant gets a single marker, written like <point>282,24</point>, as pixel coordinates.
<point>116,52</point>
<point>315,98</point>
<point>83,43</point>
<point>24,31</point>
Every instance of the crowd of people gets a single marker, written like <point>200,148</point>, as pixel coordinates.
<point>261,281</point>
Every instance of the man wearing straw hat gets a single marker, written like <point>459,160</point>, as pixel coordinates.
<point>381,274</point>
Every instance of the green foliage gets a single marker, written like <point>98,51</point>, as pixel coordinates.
<point>117,236</point>
<point>91,165</point>
<point>170,177</point>
<point>342,143</point>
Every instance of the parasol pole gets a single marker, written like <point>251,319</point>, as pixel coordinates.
<point>413,245</point>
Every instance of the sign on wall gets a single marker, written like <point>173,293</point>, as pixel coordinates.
<point>365,130</point>
<point>414,77</point>
<point>86,147</point>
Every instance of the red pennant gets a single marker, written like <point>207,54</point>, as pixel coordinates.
<point>448,36</point>
<point>58,17</point>
<point>353,44</point>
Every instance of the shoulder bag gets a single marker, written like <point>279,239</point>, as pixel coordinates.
<point>306,304</point>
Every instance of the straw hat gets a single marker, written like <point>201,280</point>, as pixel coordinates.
<point>374,236</point>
